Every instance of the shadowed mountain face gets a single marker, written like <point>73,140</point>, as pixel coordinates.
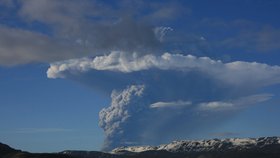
<point>265,147</point>
<point>8,152</point>
<point>5,149</point>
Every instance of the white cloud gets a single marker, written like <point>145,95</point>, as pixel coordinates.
<point>224,134</point>
<point>170,104</point>
<point>40,130</point>
<point>216,105</point>
<point>234,104</point>
<point>234,73</point>
<point>252,99</point>
<point>160,32</point>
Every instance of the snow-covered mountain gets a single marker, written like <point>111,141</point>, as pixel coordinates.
<point>265,147</point>
<point>221,145</point>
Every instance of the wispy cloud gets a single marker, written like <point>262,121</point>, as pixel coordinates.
<point>236,104</point>
<point>170,104</point>
<point>39,130</point>
<point>216,105</point>
<point>224,134</point>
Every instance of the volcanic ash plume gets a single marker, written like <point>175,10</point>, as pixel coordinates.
<point>159,98</point>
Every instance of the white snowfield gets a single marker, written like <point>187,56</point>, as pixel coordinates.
<point>204,145</point>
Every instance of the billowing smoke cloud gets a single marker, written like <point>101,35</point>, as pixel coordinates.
<point>174,93</point>
<point>120,114</point>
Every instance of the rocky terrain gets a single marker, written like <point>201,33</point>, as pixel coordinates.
<point>264,147</point>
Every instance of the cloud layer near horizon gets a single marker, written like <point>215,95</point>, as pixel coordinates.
<point>175,93</point>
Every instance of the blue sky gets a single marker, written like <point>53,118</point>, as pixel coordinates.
<point>50,103</point>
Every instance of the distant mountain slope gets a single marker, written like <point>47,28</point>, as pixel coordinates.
<point>213,145</point>
<point>264,147</point>
<point>88,154</point>
<point>8,152</point>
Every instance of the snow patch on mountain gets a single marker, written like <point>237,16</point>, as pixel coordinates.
<point>205,145</point>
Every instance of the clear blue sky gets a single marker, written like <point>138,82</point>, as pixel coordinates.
<point>40,114</point>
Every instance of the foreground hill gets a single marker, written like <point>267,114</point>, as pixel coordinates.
<point>8,152</point>
<point>5,150</point>
<point>265,147</point>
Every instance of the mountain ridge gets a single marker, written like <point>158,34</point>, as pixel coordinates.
<point>263,147</point>
<point>206,145</point>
